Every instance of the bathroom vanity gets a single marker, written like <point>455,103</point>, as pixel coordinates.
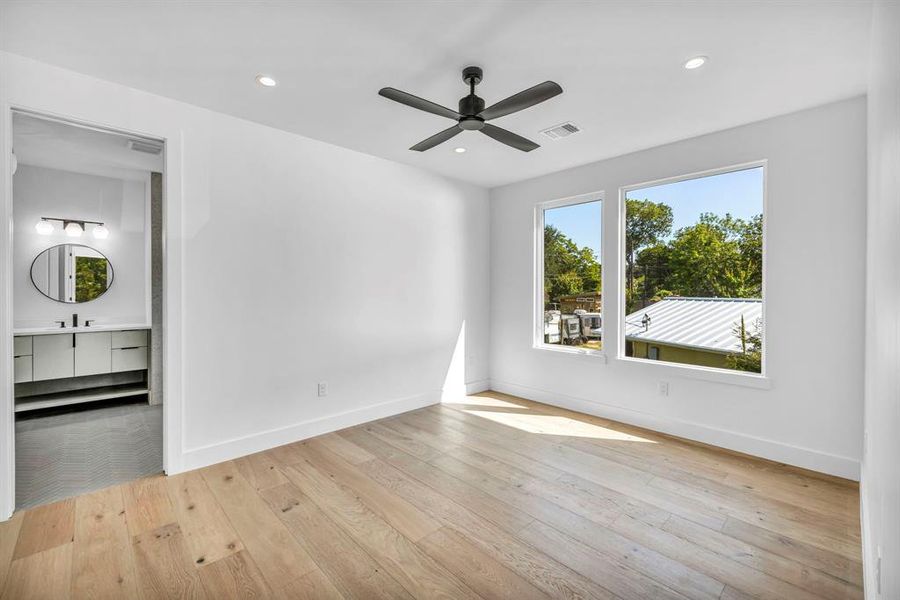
<point>62,366</point>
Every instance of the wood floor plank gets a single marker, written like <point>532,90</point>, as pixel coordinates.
<point>147,505</point>
<point>473,498</point>
<point>397,512</point>
<point>540,570</point>
<point>208,531</point>
<point>613,575</point>
<point>102,561</point>
<point>410,566</point>
<point>356,574</point>
<point>275,551</point>
<point>164,566</point>
<point>315,585</point>
<point>787,547</point>
<point>234,576</point>
<point>44,575</point>
<point>721,568</point>
<point>796,522</point>
<point>347,450</point>
<point>9,536</point>
<point>260,470</point>
<point>46,527</point>
<point>800,575</point>
<point>476,568</point>
<point>402,442</point>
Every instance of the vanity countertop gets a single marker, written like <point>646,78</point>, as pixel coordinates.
<point>80,329</point>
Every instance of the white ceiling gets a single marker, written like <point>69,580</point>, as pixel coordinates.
<point>54,145</point>
<point>618,62</point>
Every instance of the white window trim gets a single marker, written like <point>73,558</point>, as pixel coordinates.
<point>665,368</point>
<point>538,312</point>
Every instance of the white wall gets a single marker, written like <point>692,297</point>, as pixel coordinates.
<point>880,473</point>
<point>290,262</point>
<point>811,413</point>
<point>41,192</point>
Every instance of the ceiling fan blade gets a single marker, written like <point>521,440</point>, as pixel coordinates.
<point>438,138</point>
<point>522,100</point>
<point>509,138</point>
<point>416,102</point>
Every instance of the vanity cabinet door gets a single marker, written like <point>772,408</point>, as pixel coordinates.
<point>23,372</point>
<point>92,353</point>
<point>53,356</point>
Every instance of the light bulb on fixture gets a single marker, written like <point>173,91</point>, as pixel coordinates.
<point>74,229</point>
<point>100,232</point>
<point>266,80</point>
<point>44,227</point>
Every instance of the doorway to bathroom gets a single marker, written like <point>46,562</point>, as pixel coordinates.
<point>87,307</point>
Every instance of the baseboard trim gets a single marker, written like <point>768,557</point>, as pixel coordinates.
<point>868,561</point>
<point>204,456</point>
<point>798,456</point>
<point>476,387</point>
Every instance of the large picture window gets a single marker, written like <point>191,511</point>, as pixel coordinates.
<point>570,289</point>
<point>693,264</point>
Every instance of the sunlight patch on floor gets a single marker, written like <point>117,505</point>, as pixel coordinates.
<point>485,401</point>
<point>555,425</point>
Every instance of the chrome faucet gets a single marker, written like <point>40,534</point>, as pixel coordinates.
<point>74,319</point>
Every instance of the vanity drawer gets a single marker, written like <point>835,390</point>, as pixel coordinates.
<point>23,369</point>
<point>129,359</point>
<point>129,339</point>
<point>22,346</point>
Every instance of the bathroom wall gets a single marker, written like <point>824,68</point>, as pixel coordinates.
<point>121,204</point>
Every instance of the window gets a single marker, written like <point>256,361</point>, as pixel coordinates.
<point>570,283</point>
<point>693,264</point>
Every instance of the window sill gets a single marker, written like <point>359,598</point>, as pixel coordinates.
<point>596,354</point>
<point>669,369</point>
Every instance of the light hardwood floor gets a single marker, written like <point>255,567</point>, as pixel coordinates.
<point>493,497</point>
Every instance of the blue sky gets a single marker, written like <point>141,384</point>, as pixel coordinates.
<point>737,192</point>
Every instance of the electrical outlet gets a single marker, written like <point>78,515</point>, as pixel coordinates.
<point>663,388</point>
<point>878,570</point>
<point>323,388</point>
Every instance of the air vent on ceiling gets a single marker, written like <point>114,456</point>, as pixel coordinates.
<point>560,131</point>
<point>144,146</point>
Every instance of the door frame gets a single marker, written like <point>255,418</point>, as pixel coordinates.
<point>128,124</point>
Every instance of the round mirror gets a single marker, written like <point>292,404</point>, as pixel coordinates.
<point>71,273</point>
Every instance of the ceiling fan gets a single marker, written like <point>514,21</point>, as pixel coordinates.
<point>472,114</point>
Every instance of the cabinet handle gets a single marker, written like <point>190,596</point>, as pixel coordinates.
<point>73,340</point>
<point>131,348</point>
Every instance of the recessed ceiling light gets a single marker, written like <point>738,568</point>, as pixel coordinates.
<point>459,150</point>
<point>695,63</point>
<point>266,81</point>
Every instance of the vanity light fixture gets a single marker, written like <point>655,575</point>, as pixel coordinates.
<point>44,227</point>
<point>72,227</point>
<point>100,232</point>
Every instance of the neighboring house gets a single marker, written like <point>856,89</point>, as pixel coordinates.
<point>587,301</point>
<point>696,331</point>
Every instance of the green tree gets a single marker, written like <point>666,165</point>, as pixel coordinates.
<point>646,224</point>
<point>750,356</point>
<point>708,258</point>
<point>568,269</point>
